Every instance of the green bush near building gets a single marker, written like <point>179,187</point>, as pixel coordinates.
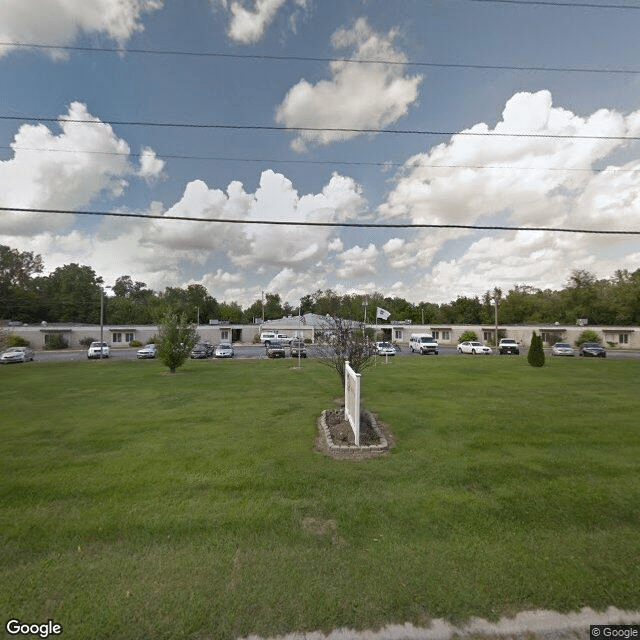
<point>17,341</point>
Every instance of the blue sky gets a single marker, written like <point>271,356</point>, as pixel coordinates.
<point>573,172</point>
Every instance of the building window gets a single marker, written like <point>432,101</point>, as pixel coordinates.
<point>129,337</point>
<point>117,337</point>
<point>488,336</point>
<point>550,337</point>
<point>446,335</point>
<point>436,334</point>
<point>397,333</point>
<point>623,338</point>
<point>224,334</point>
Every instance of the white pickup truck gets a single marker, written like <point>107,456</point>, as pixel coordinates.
<point>267,337</point>
<point>508,345</point>
<point>97,350</point>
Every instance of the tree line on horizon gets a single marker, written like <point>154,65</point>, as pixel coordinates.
<point>72,293</point>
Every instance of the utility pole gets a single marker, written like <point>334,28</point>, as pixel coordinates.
<point>496,297</point>
<point>262,299</point>
<point>101,320</point>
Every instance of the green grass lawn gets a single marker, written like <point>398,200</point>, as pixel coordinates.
<point>136,504</point>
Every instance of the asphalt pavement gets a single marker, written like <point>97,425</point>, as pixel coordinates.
<point>254,351</point>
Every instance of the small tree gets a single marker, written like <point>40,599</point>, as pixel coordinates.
<point>176,338</point>
<point>468,335</point>
<point>342,340</point>
<point>535,357</point>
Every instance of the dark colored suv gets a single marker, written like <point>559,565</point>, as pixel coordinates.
<point>297,348</point>
<point>275,350</point>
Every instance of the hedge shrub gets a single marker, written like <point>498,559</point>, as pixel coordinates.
<point>535,357</point>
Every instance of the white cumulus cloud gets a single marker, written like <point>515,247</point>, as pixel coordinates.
<point>358,96</point>
<point>357,261</point>
<point>248,21</point>
<point>61,171</point>
<point>276,199</point>
<point>59,22</point>
<point>150,165</point>
<point>553,178</point>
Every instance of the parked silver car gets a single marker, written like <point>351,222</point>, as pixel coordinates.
<point>562,349</point>
<point>16,354</point>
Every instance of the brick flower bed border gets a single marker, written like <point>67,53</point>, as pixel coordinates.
<point>351,450</point>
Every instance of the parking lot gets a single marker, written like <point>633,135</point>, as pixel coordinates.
<point>254,351</point>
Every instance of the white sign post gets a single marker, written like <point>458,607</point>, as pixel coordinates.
<point>352,400</point>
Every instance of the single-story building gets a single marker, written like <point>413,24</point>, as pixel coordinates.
<point>306,326</point>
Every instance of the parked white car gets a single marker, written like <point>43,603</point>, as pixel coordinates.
<point>224,350</point>
<point>385,349</point>
<point>148,351</point>
<point>562,349</point>
<point>16,354</point>
<point>473,348</point>
<point>96,348</point>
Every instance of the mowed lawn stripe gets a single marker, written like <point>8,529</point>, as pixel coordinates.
<point>139,504</point>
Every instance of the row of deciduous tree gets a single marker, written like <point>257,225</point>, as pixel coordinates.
<point>71,293</point>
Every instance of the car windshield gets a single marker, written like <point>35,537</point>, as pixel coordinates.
<point>563,345</point>
<point>592,345</point>
<point>475,344</point>
<point>224,346</point>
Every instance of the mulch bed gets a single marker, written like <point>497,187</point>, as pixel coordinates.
<point>342,433</point>
<point>342,437</point>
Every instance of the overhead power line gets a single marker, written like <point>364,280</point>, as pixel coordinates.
<point>366,163</point>
<point>558,3</point>
<point>290,58</point>
<point>305,223</point>
<point>346,130</point>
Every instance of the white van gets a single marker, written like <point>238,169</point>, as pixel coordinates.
<point>424,343</point>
